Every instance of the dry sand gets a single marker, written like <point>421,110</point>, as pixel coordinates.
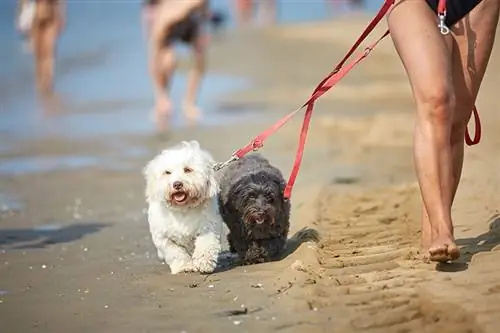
<point>357,188</point>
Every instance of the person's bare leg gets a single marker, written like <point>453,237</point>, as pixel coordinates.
<point>162,67</point>
<point>267,11</point>
<point>38,53</point>
<point>473,42</point>
<point>49,38</point>
<point>190,107</point>
<point>426,55</point>
<point>244,9</point>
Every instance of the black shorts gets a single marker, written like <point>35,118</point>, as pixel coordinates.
<point>185,31</point>
<point>455,9</point>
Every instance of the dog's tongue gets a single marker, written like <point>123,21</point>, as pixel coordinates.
<point>179,196</point>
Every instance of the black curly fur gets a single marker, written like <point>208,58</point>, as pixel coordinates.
<point>251,191</point>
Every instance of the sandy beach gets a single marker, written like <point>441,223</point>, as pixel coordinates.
<point>75,250</point>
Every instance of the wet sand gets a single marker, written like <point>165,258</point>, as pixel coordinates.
<point>75,249</point>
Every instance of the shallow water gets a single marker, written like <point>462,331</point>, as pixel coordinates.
<point>9,204</point>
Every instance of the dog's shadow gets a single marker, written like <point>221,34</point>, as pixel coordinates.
<point>228,260</point>
<point>43,236</point>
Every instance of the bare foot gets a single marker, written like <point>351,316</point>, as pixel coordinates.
<point>44,89</point>
<point>52,104</point>
<point>192,112</point>
<point>162,112</point>
<point>443,250</point>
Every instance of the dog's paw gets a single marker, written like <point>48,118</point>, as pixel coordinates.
<point>182,267</point>
<point>205,265</point>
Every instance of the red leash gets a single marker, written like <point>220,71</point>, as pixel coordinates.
<point>326,84</point>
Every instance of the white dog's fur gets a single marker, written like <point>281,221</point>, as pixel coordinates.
<point>185,225</point>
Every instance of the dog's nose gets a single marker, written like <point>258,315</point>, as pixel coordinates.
<point>177,185</point>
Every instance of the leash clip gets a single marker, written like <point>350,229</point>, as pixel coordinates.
<point>442,26</point>
<point>221,165</point>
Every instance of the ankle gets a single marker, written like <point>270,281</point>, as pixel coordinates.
<point>445,234</point>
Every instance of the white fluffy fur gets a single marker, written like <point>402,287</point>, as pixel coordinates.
<point>186,235</point>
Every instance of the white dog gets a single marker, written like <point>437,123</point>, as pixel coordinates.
<point>183,216</point>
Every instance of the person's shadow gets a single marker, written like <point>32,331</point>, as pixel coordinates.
<point>482,243</point>
<point>474,245</point>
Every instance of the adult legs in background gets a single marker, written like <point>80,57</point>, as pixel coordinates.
<point>190,107</point>
<point>162,66</point>
<point>43,37</point>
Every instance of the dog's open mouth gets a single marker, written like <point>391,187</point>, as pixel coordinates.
<point>261,219</point>
<point>179,197</point>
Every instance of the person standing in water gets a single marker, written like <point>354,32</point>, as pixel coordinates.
<point>45,25</point>
<point>245,10</point>
<point>167,22</point>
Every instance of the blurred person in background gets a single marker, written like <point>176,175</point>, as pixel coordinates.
<point>245,10</point>
<point>41,22</point>
<point>168,22</point>
<point>338,5</point>
<point>357,4</point>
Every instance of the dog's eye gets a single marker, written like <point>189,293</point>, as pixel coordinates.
<point>188,170</point>
<point>167,172</point>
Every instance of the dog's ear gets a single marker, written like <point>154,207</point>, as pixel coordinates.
<point>194,144</point>
<point>149,173</point>
<point>281,185</point>
<point>213,184</point>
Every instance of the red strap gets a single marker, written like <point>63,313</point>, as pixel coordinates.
<point>441,10</point>
<point>258,141</point>
<point>323,87</point>
<point>369,28</point>
<point>326,84</point>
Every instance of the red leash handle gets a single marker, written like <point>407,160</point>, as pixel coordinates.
<point>477,133</point>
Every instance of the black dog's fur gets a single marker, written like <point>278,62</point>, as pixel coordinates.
<point>252,205</point>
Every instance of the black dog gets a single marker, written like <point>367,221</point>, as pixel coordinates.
<point>252,205</point>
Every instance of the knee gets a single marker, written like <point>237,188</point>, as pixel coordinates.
<point>436,106</point>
